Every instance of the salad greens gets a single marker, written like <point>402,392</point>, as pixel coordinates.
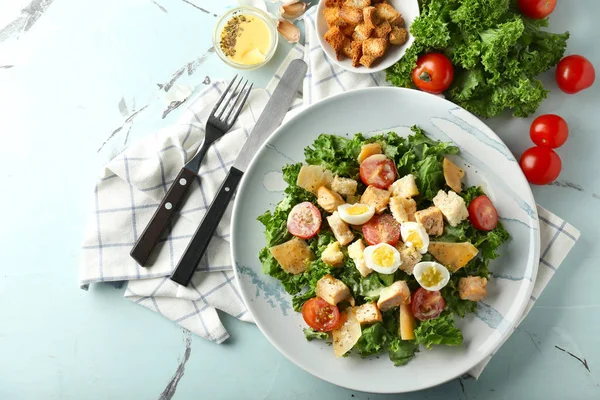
<point>496,52</point>
<point>418,155</point>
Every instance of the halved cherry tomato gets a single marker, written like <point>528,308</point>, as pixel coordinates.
<point>381,229</point>
<point>304,221</point>
<point>320,315</point>
<point>378,170</point>
<point>427,304</point>
<point>434,73</point>
<point>483,214</point>
<point>541,165</point>
<point>549,130</point>
<point>537,9</point>
<point>574,74</point>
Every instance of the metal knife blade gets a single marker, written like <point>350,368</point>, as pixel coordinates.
<point>274,112</point>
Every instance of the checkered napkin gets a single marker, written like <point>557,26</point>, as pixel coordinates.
<point>130,188</point>
<point>326,79</point>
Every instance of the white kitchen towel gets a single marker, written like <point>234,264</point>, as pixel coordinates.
<point>325,79</point>
<point>130,188</point>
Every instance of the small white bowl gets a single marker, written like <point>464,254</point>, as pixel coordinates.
<point>409,10</point>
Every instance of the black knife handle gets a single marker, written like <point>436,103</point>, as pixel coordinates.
<point>199,243</point>
<point>159,221</point>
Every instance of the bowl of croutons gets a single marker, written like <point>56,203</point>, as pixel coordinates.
<point>365,36</point>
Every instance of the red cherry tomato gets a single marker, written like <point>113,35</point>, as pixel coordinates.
<point>574,74</point>
<point>381,229</point>
<point>427,304</point>
<point>378,170</point>
<point>320,315</point>
<point>541,165</point>
<point>483,214</point>
<point>434,73</point>
<point>537,9</point>
<point>304,221</point>
<point>549,130</point>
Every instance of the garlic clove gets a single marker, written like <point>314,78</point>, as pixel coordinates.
<point>288,31</point>
<point>293,10</point>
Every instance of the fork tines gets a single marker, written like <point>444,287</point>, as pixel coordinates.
<point>236,99</point>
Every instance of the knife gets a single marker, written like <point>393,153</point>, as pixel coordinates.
<point>269,120</point>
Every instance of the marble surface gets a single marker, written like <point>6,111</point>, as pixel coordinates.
<point>79,81</point>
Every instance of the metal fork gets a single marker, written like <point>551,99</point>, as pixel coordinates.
<point>219,122</point>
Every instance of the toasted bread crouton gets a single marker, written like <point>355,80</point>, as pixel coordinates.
<point>389,13</point>
<point>356,53</point>
<point>367,61</point>
<point>332,17</point>
<point>472,288</point>
<point>293,255</point>
<point>361,32</point>
<point>452,206</point>
<point>358,3</point>
<point>340,229</point>
<point>382,30</point>
<point>348,30</point>
<point>344,186</point>
<point>332,290</point>
<point>332,255</point>
<point>394,295</point>
<point>328,199</point>
<point>351,15</point>
<point>334,3</point>
<point>374,47</point>
<point>368,313</point>
<point>356,253</point>
<point>432,220</point>
<point>347,48</point>
<point>405,187</point>
<point>312,177</point>
<point>398,36</point>
<point>410,257</point>
<point>403,209</point>
<point>370,17</point>
<point>335,38</point>
<point>376,197</point>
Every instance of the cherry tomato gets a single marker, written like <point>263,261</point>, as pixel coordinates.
<point>541,165</point>
<point>381,229</point>
<point>378,170</point>
<point>434,73</point>
<point>574,74</point>
<point>427,304</point>
<point>483,214</point>
<point>320,315</point>
<point>549,130</point>
<point>304,221</point>
<point>537,9</point>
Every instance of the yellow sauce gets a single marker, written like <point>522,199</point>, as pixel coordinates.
<point>246,39</point>
<point>431,277</point>
<point>357,209</point>
<point>383,257</point>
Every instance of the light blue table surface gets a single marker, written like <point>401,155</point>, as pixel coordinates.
<point>71,74</point>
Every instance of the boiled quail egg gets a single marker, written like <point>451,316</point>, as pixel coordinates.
<point>382,258</point>
<point>356,214</point>
<point>414,235</point>
<point>431,276</point>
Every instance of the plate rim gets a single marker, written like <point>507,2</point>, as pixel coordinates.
<point>305,110</point>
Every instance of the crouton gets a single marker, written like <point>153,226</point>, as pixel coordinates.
<point>376,197</point>
<point>293,255</point>
<point>355,252</point>
<point>398,36</point>
<point>312,177</point>
<point>356,53</point>
<point>453,175</point>
<point>367,150</point>
<point>432,220</point>
<point>358,3</point>
<point>335,38</point>
<point>328,199</point>
<point>410,257</point>
<point>472,288</point>
<point>374,47</point>
<point>332,290</point>
<point>332,17</point>
<point>347,47</point>
<point>382,30</point>
<point>361,32</point>
<point>405,187</point>
<point>388,13</point>
<point>351,15</point>
<point>453,255</point>
<point>340,229</point>
<point>452,206</point>
<point>394,295</point>
<point>403,209</point>
<point>332,255</point>
<point>344,186</point>
<point>368,313</point>
<point>367,60</point>
<point>370,17</point>
<point>348,30</point>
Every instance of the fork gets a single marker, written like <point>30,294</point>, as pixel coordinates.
<point>216,127</point>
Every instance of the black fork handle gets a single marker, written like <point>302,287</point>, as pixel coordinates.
<point>201,239</point>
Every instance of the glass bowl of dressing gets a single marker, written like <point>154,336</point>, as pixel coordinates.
<point>245,38</point>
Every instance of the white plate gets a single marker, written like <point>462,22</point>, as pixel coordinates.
<point>409,10</point>
<point>487,161</point>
